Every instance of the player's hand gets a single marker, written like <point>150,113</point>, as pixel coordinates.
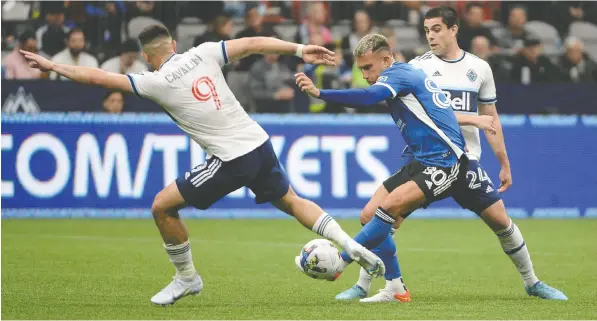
<point>487,123</point>
<point>505,179</point>
<point>318,55</point>
<point>37,61</point>
<point>306,85</point>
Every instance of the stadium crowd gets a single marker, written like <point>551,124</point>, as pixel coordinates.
<point>523,41</point>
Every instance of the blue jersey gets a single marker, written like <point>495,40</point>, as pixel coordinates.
<point>423,114</point>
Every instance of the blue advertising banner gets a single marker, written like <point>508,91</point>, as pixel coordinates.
<point>113,165</point>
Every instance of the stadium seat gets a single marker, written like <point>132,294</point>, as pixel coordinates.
<point>137,24</point>
<point>186,33</point>
<point>591,50</point>
<point>395,23</point>
<point>286,31</point>
<point>492,24</point>
<point>585,31</point>
<point>408,37</point>
<point>15,10</point>
<point>545,32</point>
<point>340,31</point>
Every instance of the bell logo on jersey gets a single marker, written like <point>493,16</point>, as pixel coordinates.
<point>461,100</point>
<point>461,103</point>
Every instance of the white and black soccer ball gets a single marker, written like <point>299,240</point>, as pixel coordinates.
<point>320,259</point>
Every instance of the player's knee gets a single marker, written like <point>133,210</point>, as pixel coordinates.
<point>158,207</point>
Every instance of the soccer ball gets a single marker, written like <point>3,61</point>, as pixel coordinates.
<point>320,259</point>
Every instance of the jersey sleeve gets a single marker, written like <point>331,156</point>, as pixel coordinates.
<point>416,63</point>
<point>487,92</point>
<point>394,81</point>
<point>215,51</point>
<point>145,84</point>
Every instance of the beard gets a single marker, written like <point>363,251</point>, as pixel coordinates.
<point>75,51</point>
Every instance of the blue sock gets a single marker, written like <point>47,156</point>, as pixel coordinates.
<point>387,253</point>
<point>374,232</point>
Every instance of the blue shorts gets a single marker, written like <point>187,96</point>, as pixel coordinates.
<point>259,170</point>
<point>476,192</point>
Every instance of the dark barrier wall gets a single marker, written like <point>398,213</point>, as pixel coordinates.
<point>113,165</point>
<point>68,96</point>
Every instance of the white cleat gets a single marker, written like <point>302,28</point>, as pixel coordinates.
<point>369,261</point>
<point>386,295</point>
<point>178,289</point>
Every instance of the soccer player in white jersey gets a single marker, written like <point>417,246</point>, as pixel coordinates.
<point>193,92</point>
<point>467,81</point>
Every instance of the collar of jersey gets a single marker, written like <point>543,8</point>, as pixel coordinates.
<point>163,63</point>
<point>456,60</point>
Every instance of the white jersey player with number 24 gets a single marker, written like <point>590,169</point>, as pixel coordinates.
<point>466,82</point>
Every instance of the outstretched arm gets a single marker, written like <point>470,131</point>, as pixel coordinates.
<point>84,75</point>
<point>350,97</point>
<point>240,48</point>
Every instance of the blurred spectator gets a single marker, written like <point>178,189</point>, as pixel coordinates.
<point>164,11</point>
<point>114,102</point>
<point>471,27</point>
<point>530,66</point>
<point>255,28</point>
<point>16,67</point>
<point>316,16</point>
<point>74,54</point>
<point>236,8</point>
<point>51,36</point>
<point>272,85</point>
<point>103,24</point>
<point>515,34</point>
<point>480,47</point>
<point>393,42</point>
<point>221,29</point>
<point>577,66</point>
<point>127,61</point>
<point>382,11</point>
<point>562,13</point>
<point>361,26</point>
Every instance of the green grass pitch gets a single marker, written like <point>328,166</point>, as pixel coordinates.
<point>455,269</point>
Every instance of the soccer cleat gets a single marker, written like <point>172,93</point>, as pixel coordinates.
<point>356,292</point>
<point>177,289</point>
<point>545,291</point>
<point>369,261</point>
<point>386,295</point>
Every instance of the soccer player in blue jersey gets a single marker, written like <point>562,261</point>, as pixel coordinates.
<point>422,180</point>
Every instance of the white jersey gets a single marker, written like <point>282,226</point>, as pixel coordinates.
<point>192,90</point>
<point>466,82</point>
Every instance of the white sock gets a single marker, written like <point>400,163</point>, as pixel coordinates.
<point>365,280</point>
<point>180,255</point>
<point>396,286</point>
<point>327,227</point>
<point>514,245</point>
